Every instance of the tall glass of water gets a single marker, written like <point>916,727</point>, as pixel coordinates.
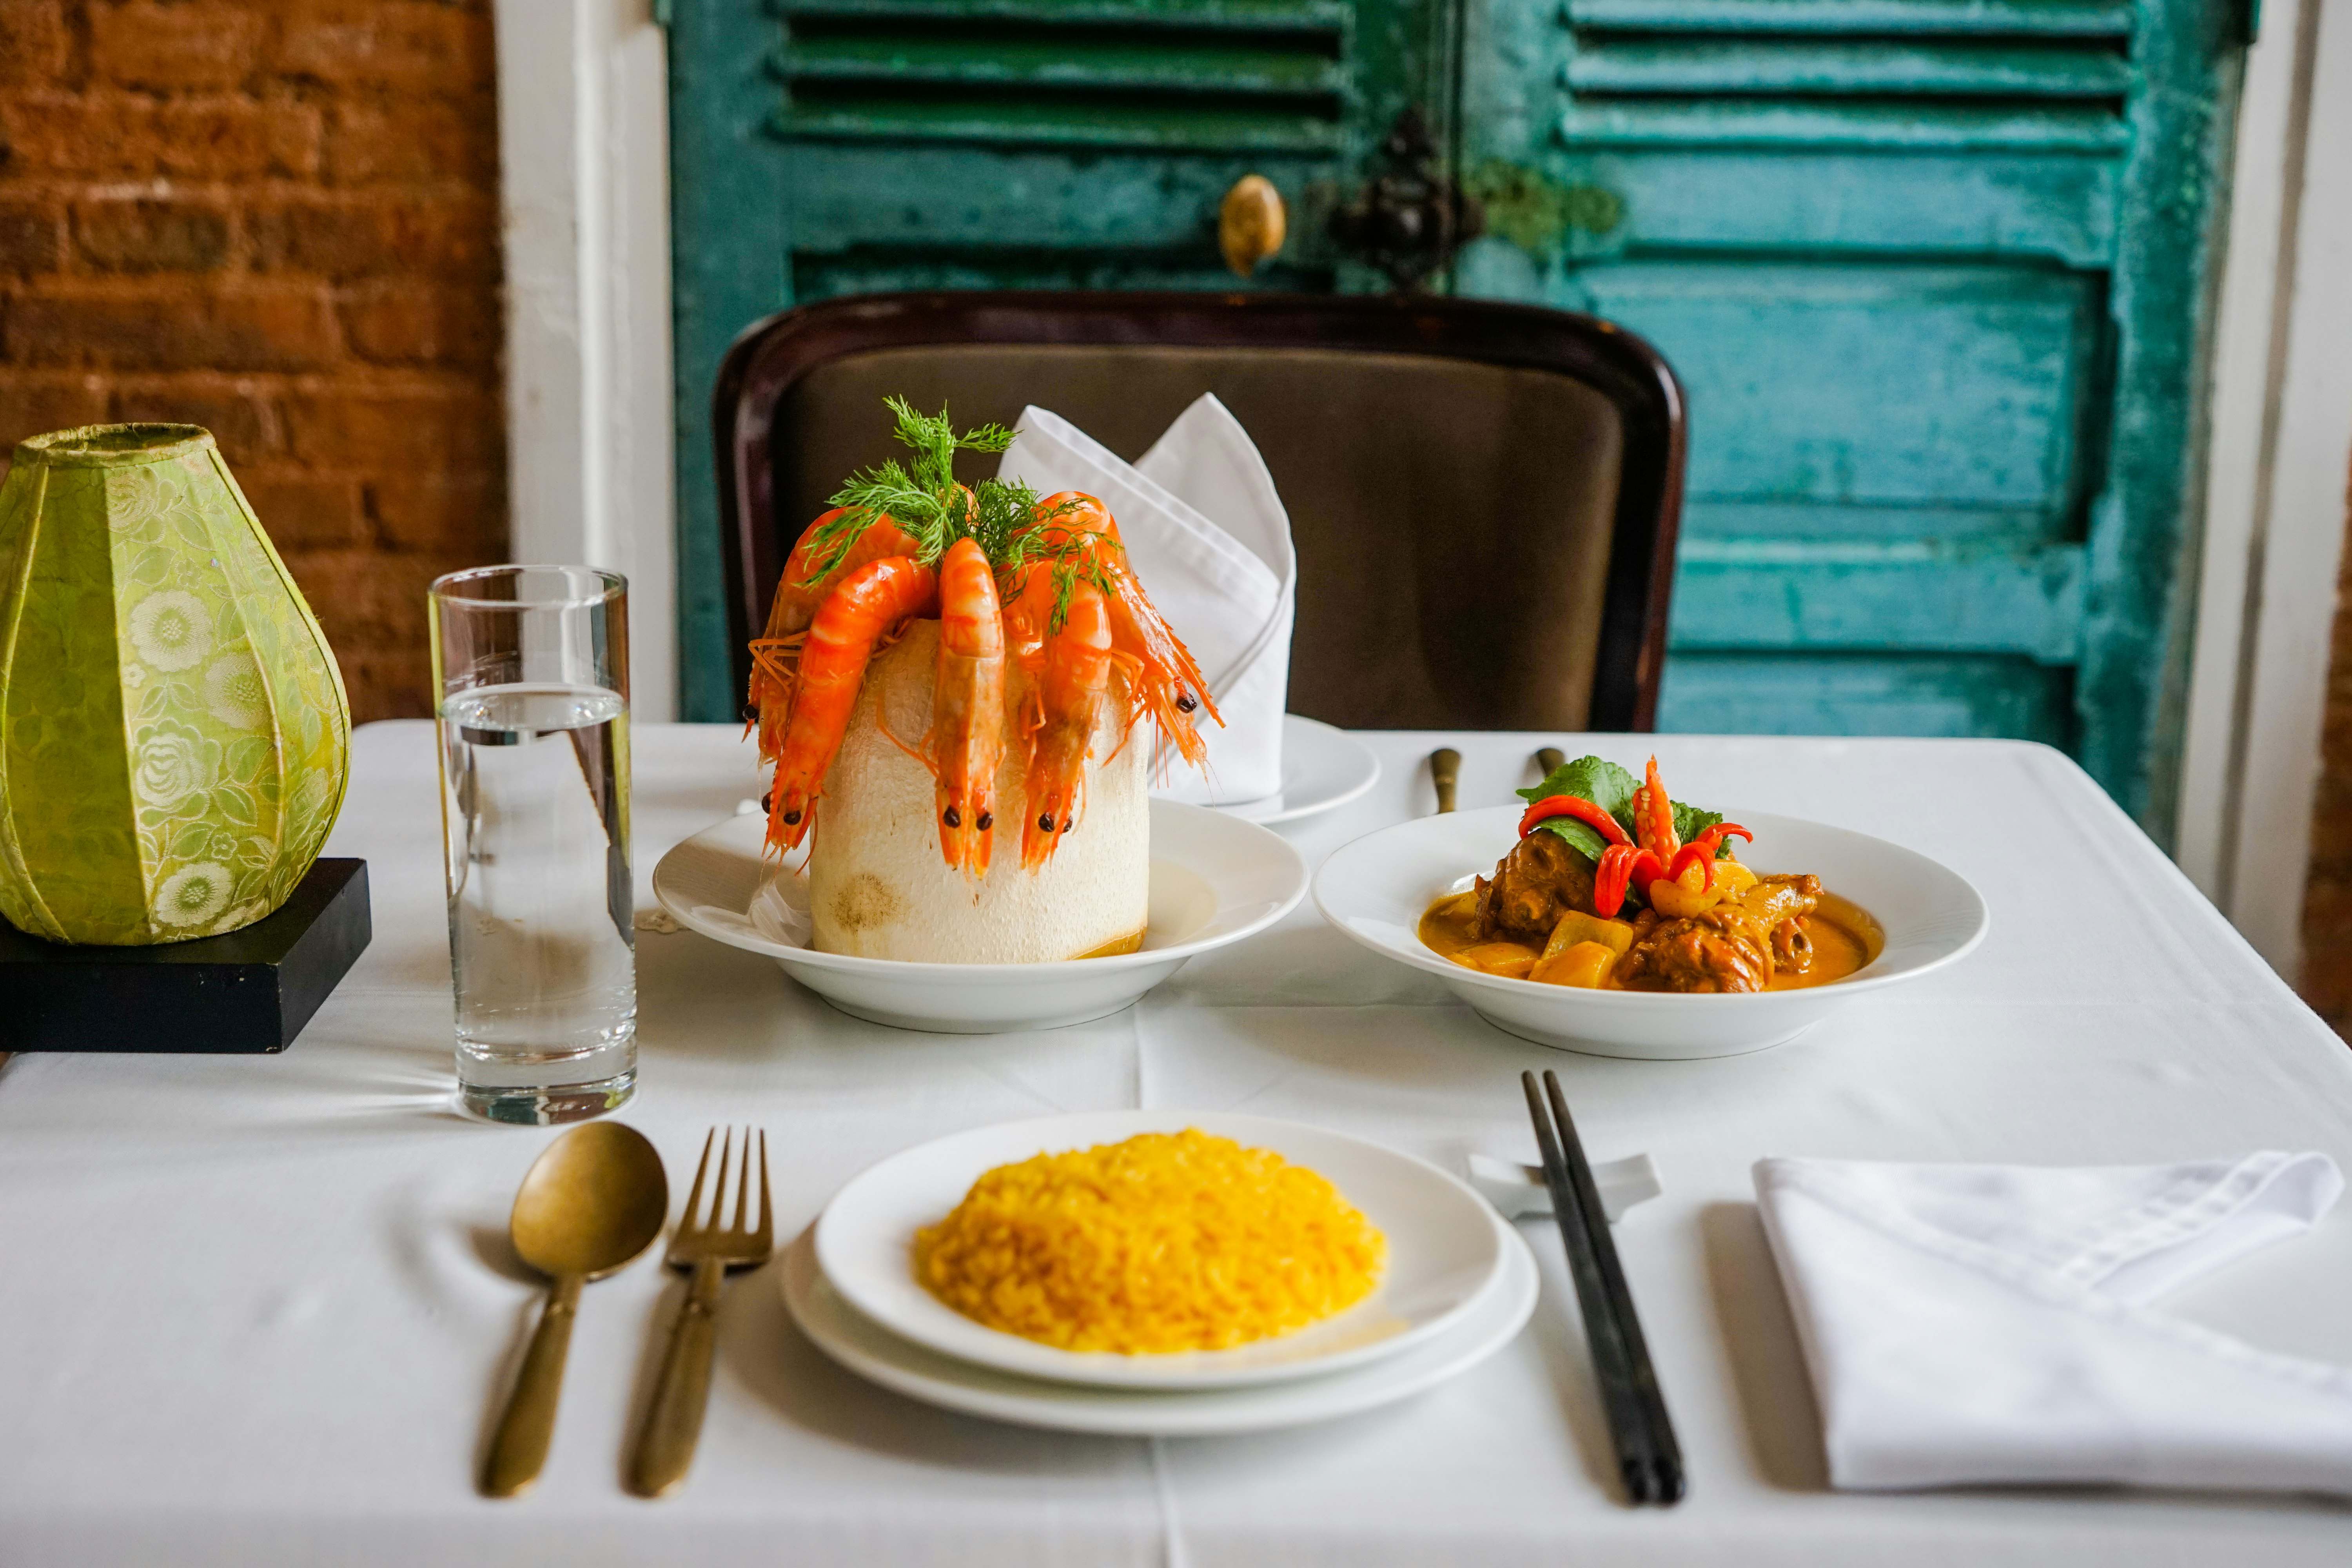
<point>531,665</point>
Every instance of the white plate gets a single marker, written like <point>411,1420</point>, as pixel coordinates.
<point>1214,880</point>
<point>1323,769</point>
<point>1443,1251</point>
<point>873,1352</point>
<point>1376,890</point>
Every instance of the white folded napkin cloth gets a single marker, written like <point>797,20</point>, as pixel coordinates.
<point>1989,1323</point>
<point>1210,541</point>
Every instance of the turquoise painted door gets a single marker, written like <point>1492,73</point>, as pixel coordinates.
<point>1933,275</point>
<point>828,147</point>
<point>1933,272</point>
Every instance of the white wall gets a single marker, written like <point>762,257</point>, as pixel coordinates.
<point>2281,446</point>
<point>583,137</point>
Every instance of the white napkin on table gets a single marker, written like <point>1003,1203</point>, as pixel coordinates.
<point>1210,541</point>
<point>1985,1323</point>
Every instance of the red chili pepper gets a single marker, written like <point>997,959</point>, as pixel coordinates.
<point>1699,853</point>
<point>1609,881</point>
<point>1715,836</point>
<point>1621,865</point>
<point>1583,810</point>
<point>1654,816</point>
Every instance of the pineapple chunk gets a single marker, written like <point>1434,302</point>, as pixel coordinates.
<point>1577,926</point>
<point>1507,959</point>
<point>1584,964</point>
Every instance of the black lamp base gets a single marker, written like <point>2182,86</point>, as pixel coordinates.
<point>250,991</point>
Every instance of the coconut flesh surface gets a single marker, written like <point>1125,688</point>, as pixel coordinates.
<point>877,885</point>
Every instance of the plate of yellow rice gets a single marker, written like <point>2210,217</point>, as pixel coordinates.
<point>1161,1250</point>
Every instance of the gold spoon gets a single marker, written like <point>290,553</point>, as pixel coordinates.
<point>593,1201</point>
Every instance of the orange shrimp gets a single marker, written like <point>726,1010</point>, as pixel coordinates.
<point>1067,701</point>
<point>967,739</point>
<point>1167,681</point>
<point>776,652</point>
<point>865,607</point>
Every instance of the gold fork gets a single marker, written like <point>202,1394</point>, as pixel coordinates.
<point>665,1449</point>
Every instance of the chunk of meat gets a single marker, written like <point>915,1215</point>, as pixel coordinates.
<point>1542,878</point>
<point>1730,947</point>
<point>1718,949</point>
<point>1783,896</point>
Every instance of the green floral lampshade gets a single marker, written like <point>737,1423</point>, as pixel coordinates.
<point>174,738</point>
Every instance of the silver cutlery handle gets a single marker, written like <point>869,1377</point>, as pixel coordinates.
<point>520,1449</point>
<point>665,1449</point>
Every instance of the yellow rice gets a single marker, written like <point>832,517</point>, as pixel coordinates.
<point>1166,1242</point>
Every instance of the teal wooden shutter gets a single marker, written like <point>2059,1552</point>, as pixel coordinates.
<point>827,147</point>
<point>1933,272</point>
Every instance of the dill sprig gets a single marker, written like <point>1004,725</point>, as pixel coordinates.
<point>920,496</point>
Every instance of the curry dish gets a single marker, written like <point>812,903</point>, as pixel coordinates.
<point>1589,898</point>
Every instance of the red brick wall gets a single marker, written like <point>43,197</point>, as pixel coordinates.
<point>2327,899</point>
<point>277,219</point>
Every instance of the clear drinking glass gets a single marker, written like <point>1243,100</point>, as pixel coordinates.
<point>531,664</point>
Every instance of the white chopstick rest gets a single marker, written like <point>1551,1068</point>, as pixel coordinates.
<point>1514,1189</point>
<point>1969,1324</point>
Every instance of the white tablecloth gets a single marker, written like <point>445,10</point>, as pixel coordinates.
<point>255,1310</point>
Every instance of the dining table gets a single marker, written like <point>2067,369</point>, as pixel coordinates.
<point>261,1310</point>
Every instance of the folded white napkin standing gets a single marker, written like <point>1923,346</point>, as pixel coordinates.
<point>1983,1323</point>
<point>1210,541</point>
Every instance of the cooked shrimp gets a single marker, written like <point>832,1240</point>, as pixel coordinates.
<point>1167,681</point>
<point>866,606</point>
<point>1067,702</point>
<point>776,652</point>
<point>967,739</point>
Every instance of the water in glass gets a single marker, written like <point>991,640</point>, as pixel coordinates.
<point>535,783</point>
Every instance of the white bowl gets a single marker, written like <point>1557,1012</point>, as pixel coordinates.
<point>1445,1250</point>
<point>1376,887</point>
<point>1214,880</point>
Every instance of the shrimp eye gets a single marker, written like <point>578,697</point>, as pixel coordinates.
<point>790,817</point>
<point>985,822</point>
<point>953,818</point>
<point>750,712</point>
<point>767,802</point>
<point>1045,823</point>
<point>1184,703</point>
<point>1068,824</point>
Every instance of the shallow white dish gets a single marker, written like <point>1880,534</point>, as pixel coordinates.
<point>1376,887</point>
<point>1214,880</point>
<point>1323,768</point>
<point>1443,1253</point>
<point>837,1329</point>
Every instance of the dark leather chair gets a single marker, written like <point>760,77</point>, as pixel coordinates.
<point>1483,497</point>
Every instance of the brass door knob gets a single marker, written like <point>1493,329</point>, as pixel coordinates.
<point>1251,223</point>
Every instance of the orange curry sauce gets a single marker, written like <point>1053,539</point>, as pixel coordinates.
<point>1844,936</point>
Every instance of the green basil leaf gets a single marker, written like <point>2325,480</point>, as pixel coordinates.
<point>1585,838</point>
<point>1595,779</point>
<point>1690,822</point>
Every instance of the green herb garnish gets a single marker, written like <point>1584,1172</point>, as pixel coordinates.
<point>920,496</point>
<point>1610,787</point>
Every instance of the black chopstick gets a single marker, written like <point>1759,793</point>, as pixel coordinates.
<point>1648,1457</point>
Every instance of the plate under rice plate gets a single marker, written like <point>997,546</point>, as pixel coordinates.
<point>855,1342</point>
<point>1445,1252</point>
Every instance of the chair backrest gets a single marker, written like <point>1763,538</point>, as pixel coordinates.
<point>1483,497</point>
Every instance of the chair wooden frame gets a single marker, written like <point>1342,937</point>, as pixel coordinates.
<point>772,355</point>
